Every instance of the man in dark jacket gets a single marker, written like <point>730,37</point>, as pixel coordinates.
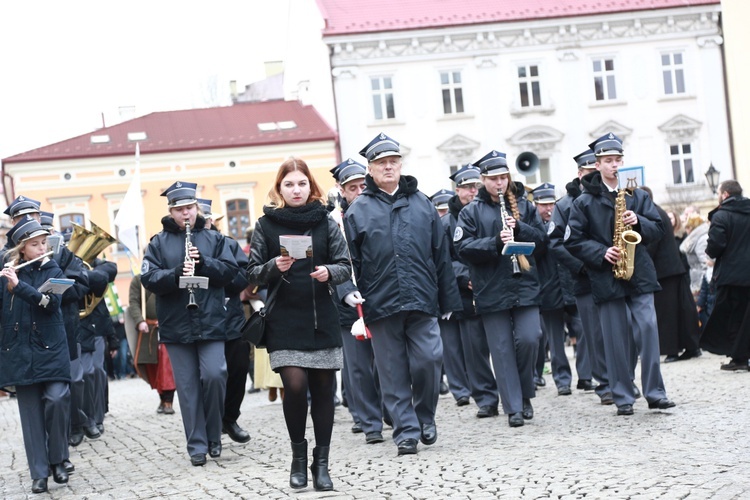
<point>589,237</point>
<point>400,256</point>
<point>728,329</point>
<point>466,355</point>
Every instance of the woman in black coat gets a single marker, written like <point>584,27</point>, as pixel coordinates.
<point>303,336</point>
<point>34,353</point>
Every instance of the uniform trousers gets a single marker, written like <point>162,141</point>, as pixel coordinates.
<point>553,324</point>
<point>200,373</point>
<point>614,316</point>
<point>102,380</point>
<point>78,418</point>
<point>453,358</point>
<point>575,329</point>
<point>90,393</point>
<point>477,360</point>
<point>358,376</point>
<point>409,356</point>
<point>592,332</point>
<point>44,409</point>
<point>513,339</point>
<point>237,354</point>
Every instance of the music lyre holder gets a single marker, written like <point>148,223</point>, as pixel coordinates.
<point>193,282</point>
<point>518,248</point>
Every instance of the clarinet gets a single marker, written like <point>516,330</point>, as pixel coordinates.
<point>192,304</point>
<point>504,215</point>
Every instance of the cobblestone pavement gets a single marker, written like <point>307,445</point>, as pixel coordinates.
<point>574,448</point>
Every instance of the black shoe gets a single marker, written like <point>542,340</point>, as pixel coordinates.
<point>444,388</point>
<point>429,434</point>
<point>528,411</point>
<point>636,391</point>
<point>374,437</point>
<point>214,449</point>
<point>235,432</point>
<point>357,428</point>
<point>407,447</point>
<point>75,439</point>
<point>69,467</point>
<point>539,381</point>
<point>92,432</point>
<point>671,358</point>
<point>198,459</point>
<point>661,404</point>
<point>319,469</point>
<point>735,366</point>
<point>336,401</point>
<point>564,390</point>
<point>253,390</point>
<point>39,485</point>
<point>298,473</point>
<point>585,385</point>
<point>696,353</point>
<point>160,408</point>
<point>625,410</point>
<point>59,474</point>
<point>100,427</point>
<point>515,420</point>
<point>463,401</point>
<point>487,411</point>
<point>607,399</point>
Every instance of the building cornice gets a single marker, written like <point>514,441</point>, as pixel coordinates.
<point>564,35</point>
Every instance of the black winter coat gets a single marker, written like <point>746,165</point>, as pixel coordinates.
<point>160,274</point>
<point>460,269</point>
<point>729,242</point>
<point>589,235</point>
<point>302,313</point>
<point>400,252</point>
<point>477,239</point>
<point>664,252</point>
<point>33,347</point>
<point>347,314</point>
<point>549,281</point>
<point>556,232</point>
<point>235,311</point>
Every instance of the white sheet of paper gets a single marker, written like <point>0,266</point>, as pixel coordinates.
<point>297,246</point>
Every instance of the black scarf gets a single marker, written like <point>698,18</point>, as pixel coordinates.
<point>304,217</point>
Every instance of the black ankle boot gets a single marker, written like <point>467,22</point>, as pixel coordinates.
<point>298,476</point>
<point>319,468</point>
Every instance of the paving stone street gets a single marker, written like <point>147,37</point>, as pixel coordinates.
<point>573,448</point>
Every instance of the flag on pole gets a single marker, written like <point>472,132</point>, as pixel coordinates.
<point>130,216</point>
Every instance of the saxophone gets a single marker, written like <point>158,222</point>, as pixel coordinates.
<point>624,238</point>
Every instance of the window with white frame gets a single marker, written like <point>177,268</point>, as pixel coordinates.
<point>238,218</point>
<point>529,85</point>
<point>682,163</point>
<point>604,79</point>
<point>673,73</point>
<point>382,97</point>
<point>453,94</point>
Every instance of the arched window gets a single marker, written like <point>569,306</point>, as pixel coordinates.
<point>238,218</point>
<point>67,220</point>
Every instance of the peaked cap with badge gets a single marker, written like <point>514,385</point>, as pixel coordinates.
<point>493,163</point>
<point>180,194</point>
<point>348,170</point>
<point>380,147</point>
<point>25,229</point>
<point>22,206</point>
<point>607,145</point>
<point>466,175</point>
<point>544,193</point>
<point>441,198</point>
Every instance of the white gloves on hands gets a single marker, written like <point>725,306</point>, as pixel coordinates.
<point>446,316</point>
<point>353,298</point>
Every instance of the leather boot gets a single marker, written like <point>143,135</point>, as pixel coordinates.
<point>298,476</point>
<point>319,468</point>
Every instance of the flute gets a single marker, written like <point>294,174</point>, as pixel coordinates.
<point>16,268</point>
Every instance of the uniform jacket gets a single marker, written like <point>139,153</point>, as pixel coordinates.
<point>589,235</point>
<point>694,248</point>
<point>729,242</point>
<point>303,315</point>
<point>460,269</point>
<point>72,268</point>
<point>552,292</point>
<point>160,273</point>
<point>33,347</point>
<point>664,251</point>
<point>477,239</point>
<point>98,323</point>
<point>556,232</point>
<point>235,311</point>
<point>400,252</point>
<point>347,314</point>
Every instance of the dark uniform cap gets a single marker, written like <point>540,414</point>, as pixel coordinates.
<point>205,206</point>
<point>493,163</point>
<point>180,194</point>
<point>47,220</point>
<point>544,193</point>
<point>587,159</point>
<point>468,174</point>
<point>348,170</point>
<point>440,199</point>
<point>606,145</point>
<point>380,147</point>
<point>25,229</point>
<point>22,206</point>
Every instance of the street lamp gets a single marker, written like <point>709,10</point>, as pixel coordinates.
<point>712,176</point>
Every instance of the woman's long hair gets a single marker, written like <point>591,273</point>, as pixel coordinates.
<point>292,164</point>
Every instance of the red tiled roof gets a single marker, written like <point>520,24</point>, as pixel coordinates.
<point>344,17</point>
<point>194,129</point>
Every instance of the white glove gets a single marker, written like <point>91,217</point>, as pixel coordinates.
<point>353,298</point>
<point>447,316</point>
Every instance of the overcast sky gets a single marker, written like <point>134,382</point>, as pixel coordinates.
<point>64,63</point>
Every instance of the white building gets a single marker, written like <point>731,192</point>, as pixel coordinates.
<point>452,80</point>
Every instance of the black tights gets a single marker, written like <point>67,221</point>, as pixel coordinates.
<point>297,381</point>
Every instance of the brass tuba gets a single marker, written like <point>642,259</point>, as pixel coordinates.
<point>87,245</point>
<point>624,238</point>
